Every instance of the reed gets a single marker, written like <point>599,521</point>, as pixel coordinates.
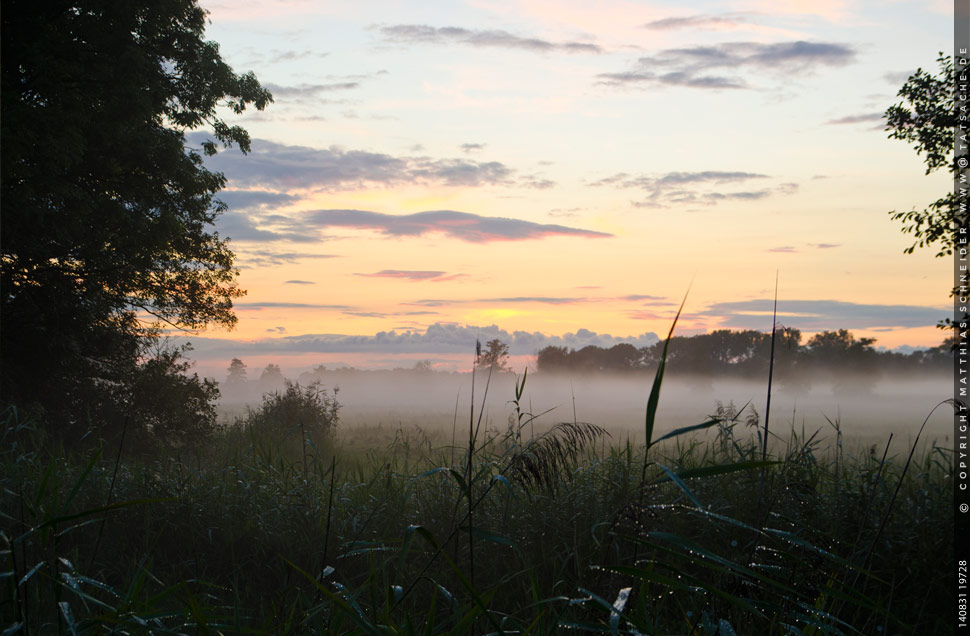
<point>564,528</point>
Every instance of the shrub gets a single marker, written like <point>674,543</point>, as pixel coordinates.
<point>296,422</point>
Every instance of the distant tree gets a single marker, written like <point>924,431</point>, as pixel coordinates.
<point>237,372</point>
<point>850,364</point>
<point>496,354</point>
<point>423,366</point>
<point>107,214</point>
<point>621,357</point>
<point>315,376</point>
<point>272,377</point>
<point>552,358</point>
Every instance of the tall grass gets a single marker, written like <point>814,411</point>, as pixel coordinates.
<point>562,529</point>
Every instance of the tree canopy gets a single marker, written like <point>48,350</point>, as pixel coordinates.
<point>106,213</point>
<point>926,119</point>
<point>496,354</point>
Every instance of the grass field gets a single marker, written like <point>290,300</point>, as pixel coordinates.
<point>525,525</point>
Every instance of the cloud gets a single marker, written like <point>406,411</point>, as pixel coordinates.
<point>437,338</point>
<point>825,246</point>
<point>283,167</point>
<point>266,258</point>
<point>672,188</point>
<point>898,77</point>
<point>641,314</point>
<point>547,300</point>
<point>472,147</point>
<point>786,249</point>
<point>820,315</point>
<point>299,282</point>
<point>277,55</point>
<point>405,274</point>
<point>381,314</point>
<point>423,34</point>
<point>255,199</point>
<point>856,119</point>
<point>308,90</point>
<point>240,226</point>
<point>623,180</point>
<point>460,225</point>
<point>536,182</point>
<point>692,67</point>
<point>726,20</point>
<point>280,305</point>
<point>642,297</point>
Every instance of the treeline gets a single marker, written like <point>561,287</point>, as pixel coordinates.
<point>747,354</point>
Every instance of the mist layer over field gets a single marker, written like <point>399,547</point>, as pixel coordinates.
<point>435,402</point>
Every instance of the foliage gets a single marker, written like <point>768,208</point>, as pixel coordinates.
<point>298,416</point>
<point>106,213</point>
<point>728,353</point>
<point>496,354</point>
<point>237,372</point>
<point>926,119</point>
<point>371,544</point>
<point>168,406</point>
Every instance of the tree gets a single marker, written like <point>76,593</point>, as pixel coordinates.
<point>106,212</point>
<point>552,358</point>
<point>272,377</point>
<point>237,372</point>
<point>496,355</point>
<point>926,119</point>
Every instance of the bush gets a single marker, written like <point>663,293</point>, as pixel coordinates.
<point>299,421</point>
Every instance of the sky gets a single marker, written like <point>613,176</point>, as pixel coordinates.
<point>562,172</point>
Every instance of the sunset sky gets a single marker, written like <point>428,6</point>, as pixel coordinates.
<point>558,172</point>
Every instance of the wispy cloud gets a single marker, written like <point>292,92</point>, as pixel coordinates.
<point>284,167</point>
<point>785,249</point>
<point>696,67</point>
<point>671,179</point>
<point>437,338</point>
<point>819,315</point>
<point>255,199</point>
<point>415,275</point>
<point>308,90</point>
<point>298,282</point>
<point>424,34</point>
<point>282,305</point>
<point>268,258</point>
<point>546,300</point>
<point>717,22</point>
<point>459,225</point>
<point>635,297</point>
<point>857,119</point>
<point>241,226</point>
<point>679,188</point>
<point>897,78</point>
<point>467,148</point>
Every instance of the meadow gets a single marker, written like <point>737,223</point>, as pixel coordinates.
<point>495,520</point>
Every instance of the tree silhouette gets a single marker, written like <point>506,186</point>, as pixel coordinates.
<point>926,118</point>
<point>107,213</point>
<point>237,372</point>
<point>496,354</point>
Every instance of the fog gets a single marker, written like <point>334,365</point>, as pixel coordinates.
<point>867,412</point>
